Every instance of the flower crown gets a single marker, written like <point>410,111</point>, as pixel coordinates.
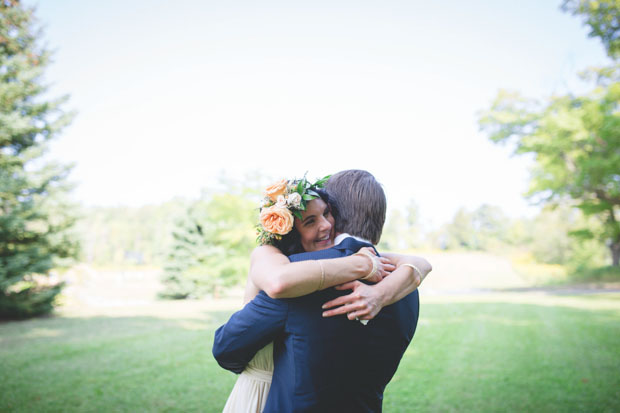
<point>283,201</point>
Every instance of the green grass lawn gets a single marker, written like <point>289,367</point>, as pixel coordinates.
<point>501,352</point>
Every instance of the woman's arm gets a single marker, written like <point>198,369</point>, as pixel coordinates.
<point>406,279</point>
<point>272,272</point>
<point>251,291</point>
<point>366,301</point>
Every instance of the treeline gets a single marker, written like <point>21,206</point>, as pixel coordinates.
<point>557,236</point>
<point>204,245</point>
<point>121,236</point>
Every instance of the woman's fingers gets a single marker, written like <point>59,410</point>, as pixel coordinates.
<point>347,286</point>
<point>344,309</point>
<point>337,302</point>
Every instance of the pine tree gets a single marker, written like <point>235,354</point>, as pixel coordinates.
<point>35,216</point>
<point>211,247</point>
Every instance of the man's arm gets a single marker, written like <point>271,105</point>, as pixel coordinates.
<point>247,331</point>
<point>366,301</point>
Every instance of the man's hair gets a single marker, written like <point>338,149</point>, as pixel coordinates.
<point>361,204</point>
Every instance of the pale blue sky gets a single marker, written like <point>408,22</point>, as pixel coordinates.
<point>169,94</point>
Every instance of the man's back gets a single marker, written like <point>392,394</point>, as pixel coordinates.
<point>321,364</point>
<point>339,364</point>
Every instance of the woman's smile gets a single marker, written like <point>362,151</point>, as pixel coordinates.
<point>316,228</point>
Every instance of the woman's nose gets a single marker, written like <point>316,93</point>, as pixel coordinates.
<point>325,224</point>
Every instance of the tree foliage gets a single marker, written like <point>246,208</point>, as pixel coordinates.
<point>483,229</point>
<point>603,18</point>
<point>35,216</point>
<point>211,245</point>
<point>121,236</point>
<point>575,141</point>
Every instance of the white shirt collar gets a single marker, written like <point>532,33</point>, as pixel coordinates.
<point>344,235</point>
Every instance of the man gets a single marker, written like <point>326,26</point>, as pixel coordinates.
<point>328,364</point>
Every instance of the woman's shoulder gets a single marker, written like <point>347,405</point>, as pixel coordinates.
<point>265,251</point>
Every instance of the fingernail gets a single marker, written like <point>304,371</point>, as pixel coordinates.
<point>324,314</point>
<point>324,306</point>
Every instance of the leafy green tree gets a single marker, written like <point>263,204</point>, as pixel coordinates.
<point>603,18</point>
<point>35,216</point>
<point>576,144</point>
<point>550,239</point>
<point>212,245</point>
<point>460,232</point>
<point>575,140</point>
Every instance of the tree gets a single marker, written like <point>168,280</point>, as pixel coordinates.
<point>603,17</point>
<point>212,245</point>
<point>482,229</point>
<point>575,141</point>
<point>402,228</point>
<point>35,216</point>
<point>460,232</point>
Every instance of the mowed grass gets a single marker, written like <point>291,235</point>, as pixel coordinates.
<point>487,353</point>
<point>530,353</point>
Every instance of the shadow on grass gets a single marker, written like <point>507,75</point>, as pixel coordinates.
<point>137,363</point>
<point>476,356</point>
<point>510,357</point>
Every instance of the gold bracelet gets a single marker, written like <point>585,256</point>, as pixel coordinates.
<point>322,275</point>
<point>413,267</point>
<point>372,259</point>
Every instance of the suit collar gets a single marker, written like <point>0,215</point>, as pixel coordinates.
<point>351,243</point>
<point>344,235</point>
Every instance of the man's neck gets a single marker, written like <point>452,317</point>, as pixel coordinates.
<point>341,237</point>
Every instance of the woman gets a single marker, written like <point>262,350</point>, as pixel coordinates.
<point>297,216</point>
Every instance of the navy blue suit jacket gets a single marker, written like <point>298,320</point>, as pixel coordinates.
<point>321,364</point>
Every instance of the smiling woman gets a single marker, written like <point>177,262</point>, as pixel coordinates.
<point>314,219</point>
<point>316,228</point>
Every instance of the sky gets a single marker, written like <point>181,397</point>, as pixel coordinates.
<point>170,96</point>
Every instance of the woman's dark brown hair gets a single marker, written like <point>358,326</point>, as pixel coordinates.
<point>291,243</point>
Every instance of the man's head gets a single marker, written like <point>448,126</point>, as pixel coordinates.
<point>361,203</point>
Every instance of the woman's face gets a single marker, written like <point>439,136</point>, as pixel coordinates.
<point>316,228</point>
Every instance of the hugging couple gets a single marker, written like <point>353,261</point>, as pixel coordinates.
<point>327,319</point>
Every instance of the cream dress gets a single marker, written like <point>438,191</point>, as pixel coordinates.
<point>252,387</point>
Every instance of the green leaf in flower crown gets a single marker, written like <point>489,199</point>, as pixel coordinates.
<point>313,193</point>
<point>297,214</point>
<point>322,181</point>
<point>308,197</point>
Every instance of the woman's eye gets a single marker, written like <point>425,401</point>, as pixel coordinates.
<point>309,222</point>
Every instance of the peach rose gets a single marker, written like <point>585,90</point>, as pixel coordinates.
<point>276,189</point>
<point>276,220</point>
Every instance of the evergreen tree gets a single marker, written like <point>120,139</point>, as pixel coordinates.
<point>212,245</point>
<point>35,217</point>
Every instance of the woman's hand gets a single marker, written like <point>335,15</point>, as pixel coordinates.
<point>384,265</point>
<point>363,303</point>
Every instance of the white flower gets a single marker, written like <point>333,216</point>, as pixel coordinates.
<point>294,199</point>
<point>281,202</point>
